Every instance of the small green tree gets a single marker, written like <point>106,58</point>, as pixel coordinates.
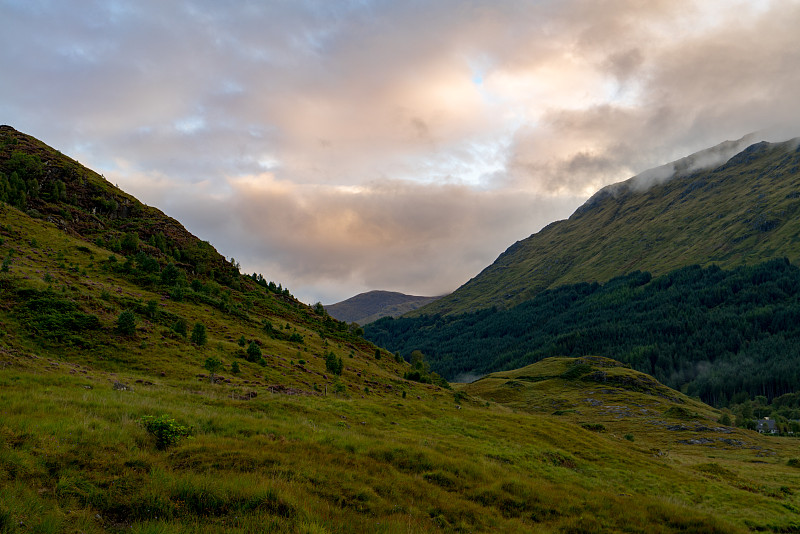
<point>253,352</point>
<point>169,274</point>
<point>180,327</point>
<point>235,368</point>
<point>213,365</point>
<point>126,323</point>
<point>242,341</point>
<point>130,242</point>
<point>6,266</point>
<point>377,354</point>
<point>334,364</point>
<point>152,308</point>
<point>199,335</point>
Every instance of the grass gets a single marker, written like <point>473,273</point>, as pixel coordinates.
<point>289,462</point>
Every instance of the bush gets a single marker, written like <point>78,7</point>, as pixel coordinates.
<point>126,323</point>
<point>334,364</point>
<point>169,275</point>
<point>130,242</point>
<point>180,326</point>
<point>199,336</point>
<point>166,431</point>
<point>253,352</point>
<point>152,309</point>
<point>213,365</point>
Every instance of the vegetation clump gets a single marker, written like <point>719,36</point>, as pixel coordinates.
<point>166,430</point>
<point>126,323</point>
<point>334,364</point>
<point>199,336</point>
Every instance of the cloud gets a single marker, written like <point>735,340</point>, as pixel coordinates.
<point>384,234</point>
<point>344,146</point>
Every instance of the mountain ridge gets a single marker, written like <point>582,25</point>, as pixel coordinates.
<point>667,226</point>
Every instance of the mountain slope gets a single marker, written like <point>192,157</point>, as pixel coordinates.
<point>741,212</point>
<point>372,305</point>
<point>50,186</point>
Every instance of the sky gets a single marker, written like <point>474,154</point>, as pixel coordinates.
<point>341,146</point>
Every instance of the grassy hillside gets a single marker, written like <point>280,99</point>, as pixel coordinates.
<point>742,212</point>
<point>110,420</point>
<point>50,186</point>
<point>372,305</point>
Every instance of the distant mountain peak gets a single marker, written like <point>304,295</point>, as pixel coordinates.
<point>373,305</point>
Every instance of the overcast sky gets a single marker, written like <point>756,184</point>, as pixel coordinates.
<point>342,146</point>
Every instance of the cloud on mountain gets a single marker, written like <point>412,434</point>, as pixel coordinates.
<point>343,146</point>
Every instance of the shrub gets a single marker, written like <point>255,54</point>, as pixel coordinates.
<point>179,327</point>
<point>253,352</point>
<point>126,323</point>
<point>169,274</point>
<point>235,368</point>
<point>296,338</point>
<point>213,365</point>
<point>152,308</point>
<point>177,294</point>
<point>334,364</point>
<point>199,336</point>
<point>130,242</point>
<point>166,431</point>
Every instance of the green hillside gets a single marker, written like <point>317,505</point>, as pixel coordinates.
<point>148,388</point>
<point>742,212</point>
